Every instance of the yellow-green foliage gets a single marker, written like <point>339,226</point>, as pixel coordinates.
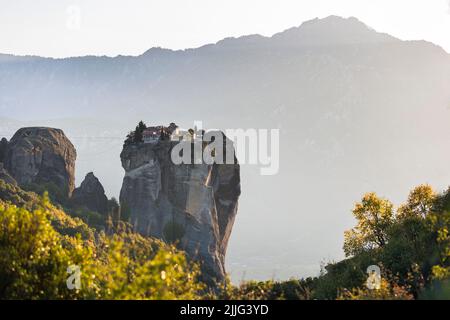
<point>33,260</point>
<point>37,246</point>
<point>386,291</point>
<point>39,241</point>
<point>250,290</point>
<point>441,225</point>
<point>412,247</point>
<point>419,204</point>
<point>374,216</point>
<point>164,277</point>
<point>267,290</point>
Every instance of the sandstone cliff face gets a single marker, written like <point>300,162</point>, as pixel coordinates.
<point>90,195</point>
<point>192,205</point>
<point>41,155</point>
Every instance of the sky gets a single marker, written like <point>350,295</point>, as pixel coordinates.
<point>63,28</point>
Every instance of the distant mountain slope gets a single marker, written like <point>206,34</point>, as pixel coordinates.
<point>358,111</point>
<point>247,69</point>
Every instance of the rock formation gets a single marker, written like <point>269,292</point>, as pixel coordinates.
<point>5,176</point>
<point>90,195</point>
<point>191,205</point>
<point>3,146</point>
<point>42,156</point>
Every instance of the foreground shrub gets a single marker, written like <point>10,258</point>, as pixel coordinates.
<point>34,260</point>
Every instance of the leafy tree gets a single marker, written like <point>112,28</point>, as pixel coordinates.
<point>413,248</point>
<point>441,225</point>
<point>374,217</point>
<point>410,253</point>
<point>129,139</point>
<point>419,204</point>
<point>139,131</point>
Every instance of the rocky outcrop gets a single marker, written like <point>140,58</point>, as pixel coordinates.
<point>191,205</point>
<point>3,147</point>
<point>42,156</point>
<point>5,176</point>
<point>90,195</point>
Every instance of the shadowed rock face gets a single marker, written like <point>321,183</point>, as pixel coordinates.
<point>5,176</point>
<point>90,195</point>
<point>191,205</point>
<point>41,155</point>
<point>3,146</point>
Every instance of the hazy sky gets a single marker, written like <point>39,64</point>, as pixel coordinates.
<point>61,28</point>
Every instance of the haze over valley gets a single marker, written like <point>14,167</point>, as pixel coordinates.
<point>358,111</point>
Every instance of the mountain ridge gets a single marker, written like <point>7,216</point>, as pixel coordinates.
<point>304,26</point>
<point>102,81</point>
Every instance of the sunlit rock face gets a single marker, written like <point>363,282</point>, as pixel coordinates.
<point>191,205</point>
<point>43,156</point>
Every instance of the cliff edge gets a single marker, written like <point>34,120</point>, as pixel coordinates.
<point>192,205</point>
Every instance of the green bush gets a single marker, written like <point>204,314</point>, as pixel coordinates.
<point>37,246</point>
<point>173,232</point>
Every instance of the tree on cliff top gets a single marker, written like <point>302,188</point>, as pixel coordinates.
<point>139,131</point>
